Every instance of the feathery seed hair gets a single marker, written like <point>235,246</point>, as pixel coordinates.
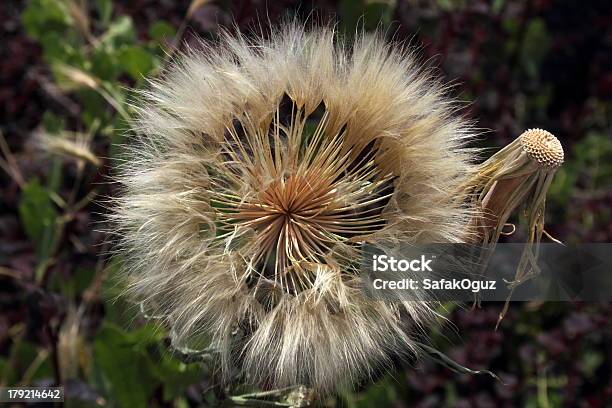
<point>261,169</point>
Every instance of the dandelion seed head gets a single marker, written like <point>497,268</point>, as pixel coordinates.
<point>261,169</point>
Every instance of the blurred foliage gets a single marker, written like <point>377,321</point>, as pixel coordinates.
<point>71,68</point>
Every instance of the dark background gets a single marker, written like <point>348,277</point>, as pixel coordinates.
<point>516,64</point>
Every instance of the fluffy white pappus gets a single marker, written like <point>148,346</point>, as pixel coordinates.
<point>260,171</point>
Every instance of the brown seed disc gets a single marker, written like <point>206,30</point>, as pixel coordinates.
<point>543,147</point>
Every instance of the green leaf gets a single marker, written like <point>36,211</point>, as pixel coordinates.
<point>25,357</point>
<point>105,10</point>
<point>123,366</point>
<point>136,61</point>
<point>382,394</point>
<point>59,47</point>
<point>161,30</point>
<point>105,63</point>
<point>117,308</point>
<point>120,32</point>
<point>131,365</point>
<point>76,285</point>
<point>38,215</point>
<point>94,107</point>
<point>176,376</point>
<point>43,16</point>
